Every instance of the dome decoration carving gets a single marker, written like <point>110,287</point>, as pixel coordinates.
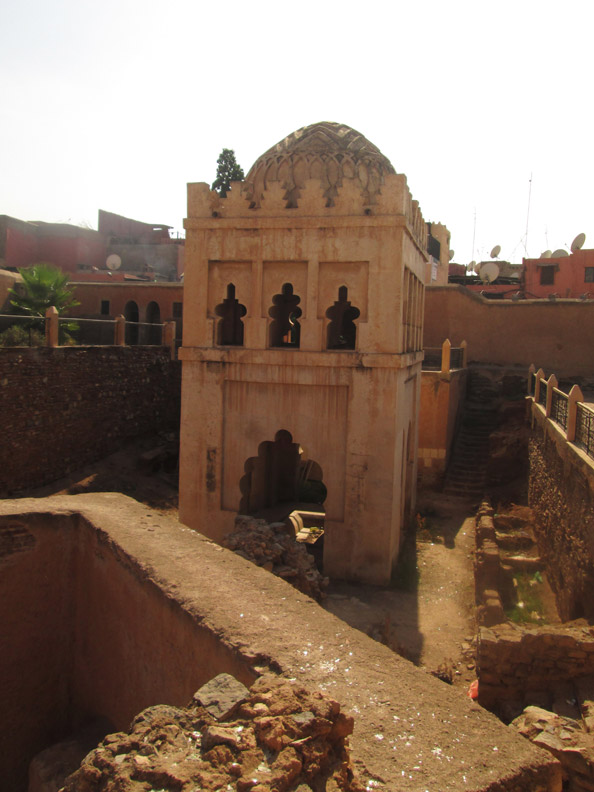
<point>326,151</point>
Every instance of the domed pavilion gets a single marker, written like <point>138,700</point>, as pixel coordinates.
<point>302,348</point>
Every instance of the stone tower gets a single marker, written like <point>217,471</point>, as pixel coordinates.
<point>302,348</point>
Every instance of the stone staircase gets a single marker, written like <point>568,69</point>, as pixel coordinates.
<point>466,474</point>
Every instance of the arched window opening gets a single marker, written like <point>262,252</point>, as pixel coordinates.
<point>153,316</point>
<point>131,317</point>
<point>342,331</point>
<point>285,329</point>
<point>230,326</point>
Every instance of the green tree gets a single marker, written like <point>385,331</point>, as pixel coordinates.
<point>43,286</point>
<point>227,171</point>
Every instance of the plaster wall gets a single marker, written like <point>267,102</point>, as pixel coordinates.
<point>442,399</point>
<point>505,333</point>
<point>91,295</point>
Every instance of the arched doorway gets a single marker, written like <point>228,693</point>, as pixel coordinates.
<point>153,317</point>
<point>279,477</point>
<point>131,316</point>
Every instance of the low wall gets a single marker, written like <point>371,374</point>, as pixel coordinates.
<point>63,407</point>
<point>505,333</point>
<point>524,666</point>
<point>561,494</point>
<point>140,610</point>
<point>442,398</point>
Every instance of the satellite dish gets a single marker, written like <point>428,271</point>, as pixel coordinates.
<point>451,254</point>
<point>559,253</point>
<point>546,254</point>
<point>113,262</point>
<point>578,242</point>
<point>496,251</point>
<point>489,272</point>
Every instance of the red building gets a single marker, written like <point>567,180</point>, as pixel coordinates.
<point>567,276</point>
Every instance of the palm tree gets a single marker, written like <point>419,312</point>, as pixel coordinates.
<point>43,286</point>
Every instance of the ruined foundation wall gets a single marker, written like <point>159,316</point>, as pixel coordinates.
<point>87,633</point>
<point>158,609</point>
<point>62,408</point>
<point>523,665</point>
<point>561,493</point>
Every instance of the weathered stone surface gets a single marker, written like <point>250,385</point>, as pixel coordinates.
<point>221,695</point>
<point>186,749</point>
<point>565,739</point>
<point>271,547</point>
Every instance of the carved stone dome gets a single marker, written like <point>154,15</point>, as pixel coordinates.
<point>326,151</point>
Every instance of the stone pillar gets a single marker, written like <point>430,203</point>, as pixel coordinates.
<point>169,337</point>
<point>120,331</point>
<point>446,352</point>
<point>539,376</point>
<point>51,327</point>
<point>552,382</point>
<point>575,396</point>
<point>531,371</point>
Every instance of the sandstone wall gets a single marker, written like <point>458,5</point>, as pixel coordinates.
<point>561,493</point>
<point>153,609</point>
<point>523,666</point>
<point>442,400</point>
<point>64,407</point>
<point>505,333</point>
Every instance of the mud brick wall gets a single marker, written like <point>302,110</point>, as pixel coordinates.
<point>62,408</point>
<point>561,493</point>
<point>524,665</point>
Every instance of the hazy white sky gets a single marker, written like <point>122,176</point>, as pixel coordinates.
<point>118,104</point>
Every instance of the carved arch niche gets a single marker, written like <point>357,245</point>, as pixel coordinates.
<point>285,329</point>
<point>281,473</point>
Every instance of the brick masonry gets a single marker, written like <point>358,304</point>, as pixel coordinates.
<point>62,408</point>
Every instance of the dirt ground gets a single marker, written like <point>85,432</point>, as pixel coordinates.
<point>427,616</point>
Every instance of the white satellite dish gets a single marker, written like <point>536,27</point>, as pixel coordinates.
<point>451,254</point>
<point>578,242</point>
<point>489,272</point>
<point>113,262</point>
<point>496,251</point>
<point>546,254</point>
<point>559,253</point>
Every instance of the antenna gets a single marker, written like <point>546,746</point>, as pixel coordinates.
<point>559,253</point>
<point>528,217</point>
<point>496,251</point>
<point>113,262</point>
<point>578,242</point>
<point>489,272</point>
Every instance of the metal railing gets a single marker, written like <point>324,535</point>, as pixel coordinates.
<point>17,330</point>
<point>584,429</point>
<point>542,394</point>
<point>559,407</point>
<point>456,357</point>
<point>432,358</point>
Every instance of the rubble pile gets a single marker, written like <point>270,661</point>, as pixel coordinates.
<point>566,740</point>
<point>277,736</point>
<point>273,547</point>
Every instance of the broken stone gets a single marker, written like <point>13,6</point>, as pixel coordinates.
<point>217,735</point>
<point>221,696</point>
